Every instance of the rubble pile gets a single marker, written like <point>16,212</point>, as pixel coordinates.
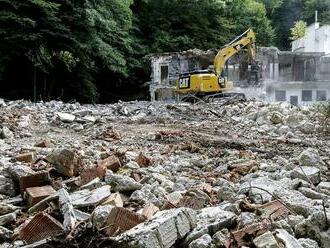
<point>153,174</point>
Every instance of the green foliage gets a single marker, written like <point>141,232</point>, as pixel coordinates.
<point>298,30</point>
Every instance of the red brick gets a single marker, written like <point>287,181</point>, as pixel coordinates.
<point>28,157</point>
<point>111,163</point>
<point>41,226</point>
<point>121,220</point>
<point>149,210</point>
<point>40,178</point>
<point>36,194</point>
<point>143,160</point>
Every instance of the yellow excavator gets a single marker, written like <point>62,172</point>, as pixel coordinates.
<point>206,84</point>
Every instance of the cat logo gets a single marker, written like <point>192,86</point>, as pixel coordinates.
<point>184,83</point>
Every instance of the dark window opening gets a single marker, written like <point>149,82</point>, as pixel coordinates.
<point>321,95</point>
<point>280,95</point>
<point>164,74</point>
<point>306,96</point>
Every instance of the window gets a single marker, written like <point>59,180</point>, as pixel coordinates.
<point>280,95</point>
<point>164,74</point>
<point>306,96</point>
<point>321,95</point>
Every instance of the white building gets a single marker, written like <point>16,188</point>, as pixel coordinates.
<point>316,39</point>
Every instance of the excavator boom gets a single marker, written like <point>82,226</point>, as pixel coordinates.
<point>245,40</point>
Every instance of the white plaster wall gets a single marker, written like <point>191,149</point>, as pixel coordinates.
<point>317,39</point>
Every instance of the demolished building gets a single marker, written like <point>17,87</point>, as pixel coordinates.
<point>300,77</point>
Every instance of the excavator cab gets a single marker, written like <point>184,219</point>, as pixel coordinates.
<point>203,83</point>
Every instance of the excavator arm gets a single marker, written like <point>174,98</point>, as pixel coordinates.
<point>245,40</point>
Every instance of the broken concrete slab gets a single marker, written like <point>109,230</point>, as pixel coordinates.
<point>211,220</point>
<point>85,198</point>
<point>307,173</point>
<point>67,210</point>
<point>67,162</point>
<point>266,240</point>
<point>7,186</point>
<point>162,231</point>
<point>204,241</point>
<point>7,218</point>
<point>310,157</point>
<point>121,183</point>
<point>65,117</point>
<point>287,239</point>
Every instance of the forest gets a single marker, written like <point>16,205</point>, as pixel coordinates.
<point>92,51</point>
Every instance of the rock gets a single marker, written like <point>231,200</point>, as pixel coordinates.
<point>246,218</point>
<point>164,230</point>
<point>308,243</point>
<point>100,215</point>
<point>17,171</point>
<point>112,163</point>
<point>7,218</point>
<point>312,194</point>
<point>288,240</point>
<point>67,162</point>
<point>210,220</point>
<point>313,174</point>
<point>220,237</point>
<point>7,186</point>
<point>121,183</point>
<point>203,242</point>
<point>85,198</point>
<point>5,233</point>
<point>266,240</point>
<point>5,133</point>
<point>276,118</point>
<point>309,157</point>
<point>65,117</point>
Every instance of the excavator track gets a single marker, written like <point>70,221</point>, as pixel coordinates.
<point>194,98</point>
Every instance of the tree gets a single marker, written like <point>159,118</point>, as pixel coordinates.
<point>298,30</point>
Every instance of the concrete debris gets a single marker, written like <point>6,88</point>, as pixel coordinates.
<point>121,183</point>
<point>266,240</point>
<point>163,230</point>
<point>156,175</point>
<point>66,162</point>
<point>288,240</point>
<point>307,173</point>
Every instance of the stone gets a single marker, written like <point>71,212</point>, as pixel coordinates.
<point>65,117</point>
<point>67,210</point>
<point>210,220</point>
<point>246,218</point>
<point>308,243</point>
<point>7,186</point>
<point>112,163</point>
<point>266,240</point>
<point>287,239</point>
<point>18,170</point>
<point>44,144</point>
<point>28,157</point>
<point>220,238</point>
<point>121,183</point>
<point>85,198</point>
<point>309,157</point>
<point>203,242</point>
<point>100,215</point>
<point>313,174</point>
<point>162,231</point>
<point>5,233</point>
<point>276,118</point>
<point>5,133</point>
<point>36,194</point>
<point>66,162</point>
<point>7,218</point>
